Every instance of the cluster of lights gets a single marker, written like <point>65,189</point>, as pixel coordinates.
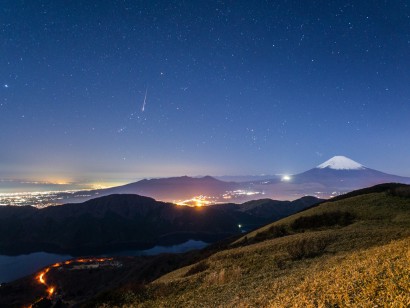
<point>240,193</point>
<point>197,201</point>
<point>39,199</point>
<point>41,277</point>
<point>203,200</point>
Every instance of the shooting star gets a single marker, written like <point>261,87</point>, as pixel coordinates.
<point>145,100</point>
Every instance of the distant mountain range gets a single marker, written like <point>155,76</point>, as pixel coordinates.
<point>336,176</point>
<point>176,188</point>
<point>172,189</point>
<point>118,222</point>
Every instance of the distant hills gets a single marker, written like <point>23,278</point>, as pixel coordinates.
<point>128,221</point>
<point>335,176</point>
<point>165,189</point>
<point>176,188</point>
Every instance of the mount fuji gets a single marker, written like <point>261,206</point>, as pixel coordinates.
<point>345,173</point>
<point>341,163</point>
<point>335,176</point>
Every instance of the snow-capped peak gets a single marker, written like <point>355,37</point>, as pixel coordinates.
<point>341,163</point>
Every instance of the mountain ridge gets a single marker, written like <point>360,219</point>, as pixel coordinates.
<point>334,177</point>
<point>123,221</point>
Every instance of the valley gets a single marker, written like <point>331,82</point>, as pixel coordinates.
<point>361,239</point>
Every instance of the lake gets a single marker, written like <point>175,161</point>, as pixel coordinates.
<point>15,267</point>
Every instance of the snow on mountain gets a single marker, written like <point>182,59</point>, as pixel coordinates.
<point>341,163</point>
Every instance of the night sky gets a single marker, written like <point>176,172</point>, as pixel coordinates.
<point>114,91</point>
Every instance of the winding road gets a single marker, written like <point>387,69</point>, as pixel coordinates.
<point>41,278</point>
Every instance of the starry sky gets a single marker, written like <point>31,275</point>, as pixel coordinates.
<point>114,91</point>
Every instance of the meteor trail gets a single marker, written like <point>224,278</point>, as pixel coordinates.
<point>145,100</point>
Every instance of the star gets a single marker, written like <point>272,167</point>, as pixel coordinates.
<point>6,85</point>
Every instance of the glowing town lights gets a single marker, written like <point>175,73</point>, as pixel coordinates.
<point>50,291</point>
<point>196,201</point>
<point>89,260</point>
<point>286,178</point>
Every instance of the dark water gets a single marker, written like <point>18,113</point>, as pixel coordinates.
<point>14,267</point>
<point>184,247</point>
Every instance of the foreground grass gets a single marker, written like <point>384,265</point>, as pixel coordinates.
<point>377,277</point>
<point>360,259</point>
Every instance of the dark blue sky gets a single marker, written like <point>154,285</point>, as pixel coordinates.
<point>233,87</point>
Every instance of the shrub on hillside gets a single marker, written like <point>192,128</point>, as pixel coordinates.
<point>403,191</point>
<point>123,296</point>
<point>323,220</point>
<point>307,248</point>
<point>197,268</point>
<point>272,232</point>
<point>225,275</point>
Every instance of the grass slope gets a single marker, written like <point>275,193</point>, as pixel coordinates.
<point>352,252</point>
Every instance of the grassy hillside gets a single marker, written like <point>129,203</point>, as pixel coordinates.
<point>351,252</point>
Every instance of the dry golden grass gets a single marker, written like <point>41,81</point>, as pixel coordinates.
<point>364,264</point>
<point>377,277</point>
<point>376,208</point>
